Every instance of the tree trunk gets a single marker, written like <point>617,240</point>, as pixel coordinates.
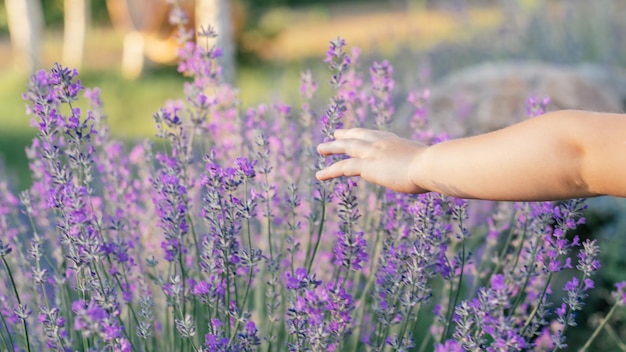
<point>133,58</point>
<point>217,13</point>
<point>25,19</point>
<point>75,29</point>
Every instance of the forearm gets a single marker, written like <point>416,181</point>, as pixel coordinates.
<point>565,154</point>
<point>554,156</point>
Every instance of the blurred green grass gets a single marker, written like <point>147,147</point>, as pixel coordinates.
<point>129,105</point>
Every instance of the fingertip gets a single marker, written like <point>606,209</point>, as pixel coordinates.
<point>320,175</point>
<point>320,148</point>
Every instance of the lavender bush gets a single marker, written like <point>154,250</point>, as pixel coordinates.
<point>217,237</point>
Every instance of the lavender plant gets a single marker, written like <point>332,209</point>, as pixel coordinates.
<point>218,238</point>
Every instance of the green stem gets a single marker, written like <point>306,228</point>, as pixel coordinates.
<point>17,296</point>
<point>269,216</point>
<point>405,325</point>
<point>182,273</point>
<point>65,294</point>
<point>368,287</point>
<point>319,232</point>
<point>130,306</point>
<point>293,236</point>
<point>6,326</point>
<point>456,296</point>
<point>195,240</point>
<point>536,309</point>
<point>617,339</point>
<point>509,239</point>
<point>43,285</point>
<point>195,348</point>
<point>244,303</point>
<point>311,225</point>
<point>518,299</point>
<point>598,329</point>
<point>119,318</point>
<point>227,296</point>
<point>569,310</point>
<point>519,248</point>
<point>250,271</point>
<point>424,343</point>
<point>501,257</point>
<point>388,327</point>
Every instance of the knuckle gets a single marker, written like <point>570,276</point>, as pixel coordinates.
<point>358,131</point>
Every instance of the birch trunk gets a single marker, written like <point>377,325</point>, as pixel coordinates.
<point>25,20</point>
<point>76,22</point>
<point>217,13</point>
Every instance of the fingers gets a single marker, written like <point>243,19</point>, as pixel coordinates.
<point>347,167</point>
<point>355,148</point>
<point>354,142</point>
<point>362,134</point>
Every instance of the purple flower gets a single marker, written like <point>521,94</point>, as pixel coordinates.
<point>449,346</point>
<point>245,167</point>
<point>339,61</point>
<point>177,16</point>
<point>5,249</point>
<point>382,85</point>
<point>587,258</point>
<point>498,283</point>
<point>112,331</point>
<point>91,318</point>
<point>561,311</point>
<point>170,199</point>
<point>350,252</point>
<point>300,280</point>
<point>248,339</point>
<point>571,285</point>
<point>216,342</point>
<point>340,304</point>
<point>63,79</point>
<point>102,226</point>
<point>124,345</point>
<point>308,86</point>
<point>282,110</point>
<point>620,293</point>
<point>536,106</point>
<point>335,50</point>
<point>201,288</point>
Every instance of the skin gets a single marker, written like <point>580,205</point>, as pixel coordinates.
<point>559,155</point>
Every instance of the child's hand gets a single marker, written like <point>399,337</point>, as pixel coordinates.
<point>379,157</point>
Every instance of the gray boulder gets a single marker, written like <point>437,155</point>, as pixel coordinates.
<point>491,96</point>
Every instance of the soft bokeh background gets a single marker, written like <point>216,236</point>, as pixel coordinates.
<point>426,40</point>
<point>276,39</point>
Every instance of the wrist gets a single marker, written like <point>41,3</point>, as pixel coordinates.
<point>417,170</point>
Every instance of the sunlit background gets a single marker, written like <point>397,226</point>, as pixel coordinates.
<point>567,42</point>
<point>275,39</point>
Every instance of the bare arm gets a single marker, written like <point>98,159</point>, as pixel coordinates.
<point>564,154</point>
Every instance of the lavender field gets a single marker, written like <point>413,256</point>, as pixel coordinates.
<point>216,235</point>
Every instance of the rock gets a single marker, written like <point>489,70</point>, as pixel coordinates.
<point>491,96</point>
